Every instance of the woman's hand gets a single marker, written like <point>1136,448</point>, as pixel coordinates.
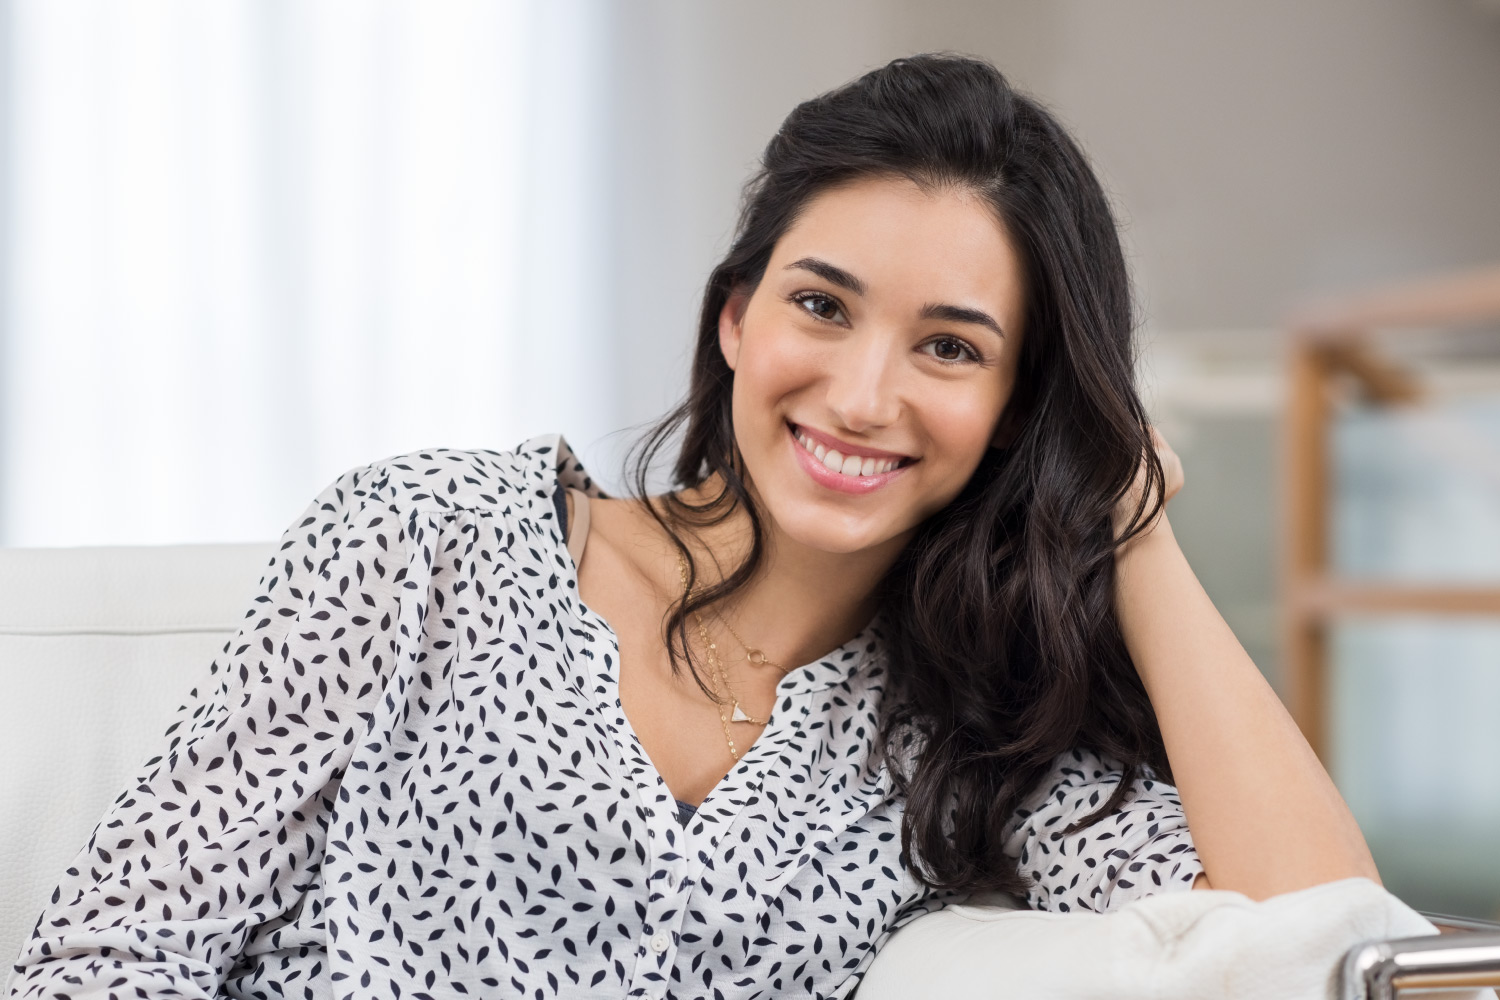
<point>1171,467</point>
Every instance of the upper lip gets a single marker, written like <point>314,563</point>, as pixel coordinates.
<point>844,448</point>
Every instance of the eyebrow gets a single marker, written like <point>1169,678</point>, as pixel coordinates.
<point>962,314</point>
<point>836,275</point>
<point>830,273</point>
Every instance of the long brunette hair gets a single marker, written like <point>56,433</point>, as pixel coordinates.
<point>1003,646</point>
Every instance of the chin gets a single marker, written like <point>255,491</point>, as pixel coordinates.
<point>822,531</point>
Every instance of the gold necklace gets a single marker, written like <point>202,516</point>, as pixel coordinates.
<point>755,657</point>
<point>729,706</point>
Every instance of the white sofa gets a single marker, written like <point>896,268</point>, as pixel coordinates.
<point>98,646</point>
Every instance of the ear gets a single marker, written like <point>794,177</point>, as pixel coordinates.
<point>731,326</point>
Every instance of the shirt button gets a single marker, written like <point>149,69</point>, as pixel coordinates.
<point>660,942</point>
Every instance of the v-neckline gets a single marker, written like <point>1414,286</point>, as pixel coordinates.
<point>741,784</point>
<point>611,692</point>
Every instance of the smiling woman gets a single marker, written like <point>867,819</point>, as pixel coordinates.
<point>927,271</point>
<point>911,624</point>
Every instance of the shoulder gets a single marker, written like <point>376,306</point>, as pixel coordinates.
<point>1087,779</point>
<point>1079,784</point>
<point>1078,856</point>
<point>520,481</point>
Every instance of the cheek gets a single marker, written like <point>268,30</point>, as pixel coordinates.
<point>775,363</point>
<point>963,422</point>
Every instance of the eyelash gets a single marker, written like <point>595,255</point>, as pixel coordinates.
<point>973,356</point>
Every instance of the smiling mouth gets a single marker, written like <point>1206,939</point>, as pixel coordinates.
<point>846,465</point>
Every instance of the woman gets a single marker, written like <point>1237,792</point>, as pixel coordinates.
<point>913,624</point>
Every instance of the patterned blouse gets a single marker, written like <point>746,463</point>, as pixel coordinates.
<point>409,775</point>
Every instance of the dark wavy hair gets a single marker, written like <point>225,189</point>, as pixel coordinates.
<point>1004,649</point>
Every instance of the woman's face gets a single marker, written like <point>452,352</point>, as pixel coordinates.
<point>883,339</point>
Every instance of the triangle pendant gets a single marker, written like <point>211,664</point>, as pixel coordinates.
<point>739,714</point>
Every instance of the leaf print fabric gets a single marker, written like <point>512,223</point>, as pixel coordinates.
<point>1141,849</point>
<point>409,775</point>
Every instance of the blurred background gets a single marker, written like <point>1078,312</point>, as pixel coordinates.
<point>247,244</point>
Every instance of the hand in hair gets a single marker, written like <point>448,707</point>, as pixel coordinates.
<point>1139,502</point>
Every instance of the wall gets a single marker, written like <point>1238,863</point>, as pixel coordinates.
<point>1258,153</point>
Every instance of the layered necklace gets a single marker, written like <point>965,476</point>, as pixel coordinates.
<point>730,710</point>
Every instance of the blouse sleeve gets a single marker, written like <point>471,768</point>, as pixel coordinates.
<point>224,830</point>
<point>1141,849</point>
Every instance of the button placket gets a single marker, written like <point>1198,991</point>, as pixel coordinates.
<point>665,912</point>
<point>668,880</point>
<point>656,955</point>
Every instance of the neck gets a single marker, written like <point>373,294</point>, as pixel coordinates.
<point>802,602</point>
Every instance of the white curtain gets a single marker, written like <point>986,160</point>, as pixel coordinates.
<point>250,244</point>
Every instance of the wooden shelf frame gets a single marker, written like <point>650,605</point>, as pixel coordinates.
<point>1330,349</point>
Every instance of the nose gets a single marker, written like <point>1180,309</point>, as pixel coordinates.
<point>864,391</point>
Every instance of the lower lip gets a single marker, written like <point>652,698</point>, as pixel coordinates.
<point>824,476</point>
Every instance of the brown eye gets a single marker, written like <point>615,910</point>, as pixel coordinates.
<point>948,350</point>
<point>821,306</point>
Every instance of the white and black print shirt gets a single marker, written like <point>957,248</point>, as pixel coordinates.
<point>409,776</point>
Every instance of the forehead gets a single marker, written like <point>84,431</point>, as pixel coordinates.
<point>907,242</point>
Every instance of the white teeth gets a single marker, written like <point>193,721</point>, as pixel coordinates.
<point>810,445</point>
<point>848,465</point>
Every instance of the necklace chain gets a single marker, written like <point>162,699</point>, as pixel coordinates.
<point>729,706</point>
<point>755,657</point>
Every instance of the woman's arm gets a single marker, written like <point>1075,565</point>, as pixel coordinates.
<point>224,831</point>
<point>1264,814</point>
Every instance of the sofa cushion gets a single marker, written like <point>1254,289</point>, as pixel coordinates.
<point>98,647</point>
